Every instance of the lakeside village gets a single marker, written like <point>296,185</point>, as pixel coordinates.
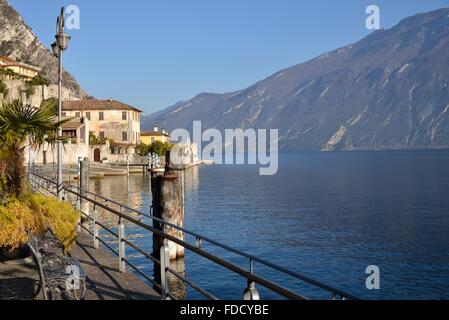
<point>107,132</point>
<point>61,241</point>
<point>46,248</point>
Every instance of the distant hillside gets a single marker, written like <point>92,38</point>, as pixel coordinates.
<point>18,41</point>
<point>387,91</point>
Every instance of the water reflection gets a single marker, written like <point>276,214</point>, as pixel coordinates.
<point>135,192</point>
<point>177,287</point>
<point>325,215</point>
<point>192,180</point>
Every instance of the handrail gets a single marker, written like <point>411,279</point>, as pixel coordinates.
<point>228,248</point>
<point>148,256</point>
<point>83,194</point>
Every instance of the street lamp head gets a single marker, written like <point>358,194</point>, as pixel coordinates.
<point>55,48</point>
<point>63,40</point>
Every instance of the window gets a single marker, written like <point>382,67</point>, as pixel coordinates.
<point>83,134</point>
<point>88,115</point>
<point>101,116</point>
<point>77,114</point>
<point>152,140</point>
<point>124,136</point>
<point>124,115</point>
<point>64,114</point>
<point>69,133</point>
<point>101,135</point>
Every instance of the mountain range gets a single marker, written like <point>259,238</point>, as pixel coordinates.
<point>387,91</point>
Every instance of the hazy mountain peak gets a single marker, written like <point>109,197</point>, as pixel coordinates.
<point>387,91</point>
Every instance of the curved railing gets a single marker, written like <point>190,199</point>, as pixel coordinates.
<point>123,212</point>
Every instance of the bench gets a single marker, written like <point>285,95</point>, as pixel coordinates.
<point>60,274</point>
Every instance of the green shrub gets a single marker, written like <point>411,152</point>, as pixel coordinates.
<point>160,148</point>
<point>36,213</point>
<point>95,141</point>
<point>39,81</point>
<point>15,219</point>
<point>142,149</point>
<point>29,89</point>
<point>3,89</point>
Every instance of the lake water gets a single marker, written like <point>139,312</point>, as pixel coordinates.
<point>325,215</point>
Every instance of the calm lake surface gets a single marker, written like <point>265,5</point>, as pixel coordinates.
<point>325,215</point>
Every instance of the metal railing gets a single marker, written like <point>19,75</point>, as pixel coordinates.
<point>125,213</point>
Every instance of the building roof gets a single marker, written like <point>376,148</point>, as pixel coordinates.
<point>73,123</point>
<point>87,105</point>
<point>153,134</point>
<point>7,59</point>
<point>8,62</point>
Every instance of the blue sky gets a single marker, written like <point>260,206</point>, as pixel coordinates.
<point>152,54</point>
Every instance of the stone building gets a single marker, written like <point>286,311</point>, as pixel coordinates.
<point>109,119</point>
<point>156,135</point>
<point>76,145</point>
<point>22,69</point>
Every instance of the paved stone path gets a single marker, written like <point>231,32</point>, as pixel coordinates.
<point>104,281</point>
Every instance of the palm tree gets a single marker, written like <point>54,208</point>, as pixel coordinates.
<point>21,124</point>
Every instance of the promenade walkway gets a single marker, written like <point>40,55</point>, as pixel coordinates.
<point>104,281</point>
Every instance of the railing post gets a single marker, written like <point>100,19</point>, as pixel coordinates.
<point>95,229</point>
<point>78,203</point>
<point>127,165</point>
<point>84,185</point>
<point>165,277</point>
<point>251,293</point>
<point>78,226</point>
<point>121,247</point>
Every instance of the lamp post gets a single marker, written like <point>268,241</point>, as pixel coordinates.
<point>60,45</point>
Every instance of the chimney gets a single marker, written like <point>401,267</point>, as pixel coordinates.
<point>156,129</point>
<point>163,131</point>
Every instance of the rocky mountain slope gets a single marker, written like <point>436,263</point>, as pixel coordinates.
<point>387,91</point>
<point>18,41</point>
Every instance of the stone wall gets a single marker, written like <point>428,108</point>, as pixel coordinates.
<point>17,91</point>
<point>47,154</point>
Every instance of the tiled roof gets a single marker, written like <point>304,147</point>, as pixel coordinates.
<point>87,105</point>
<point>73,123</point>
<point>8,62</point>
<point>7,59</point>
<point>153,134</point>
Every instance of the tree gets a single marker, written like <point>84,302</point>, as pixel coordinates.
<point>142,150</point>
<point>20,124</point>
<point>158,148</point>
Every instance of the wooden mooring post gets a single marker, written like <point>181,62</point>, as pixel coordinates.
<point>168,205</point>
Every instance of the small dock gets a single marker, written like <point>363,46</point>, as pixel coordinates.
<point>104,281</point>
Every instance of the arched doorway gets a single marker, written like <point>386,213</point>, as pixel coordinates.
<point>97,155</point>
